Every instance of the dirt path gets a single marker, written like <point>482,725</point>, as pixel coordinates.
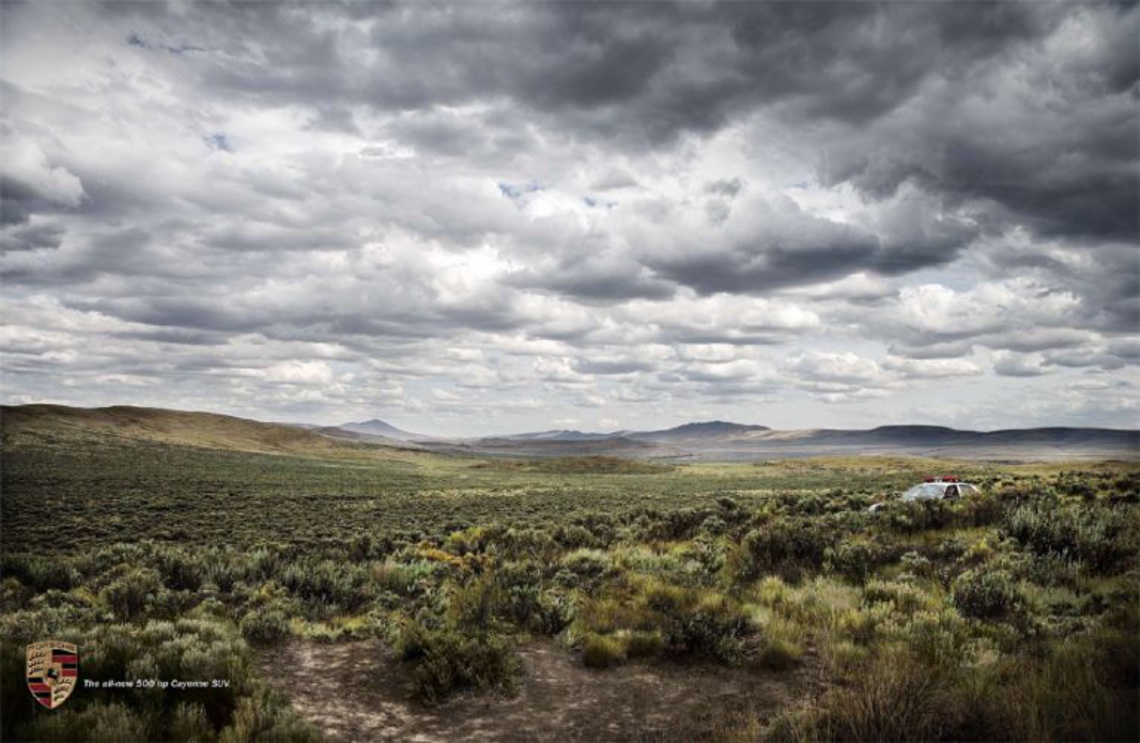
<point>355,692</point>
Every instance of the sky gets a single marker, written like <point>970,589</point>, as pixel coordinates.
<point>479,218</point>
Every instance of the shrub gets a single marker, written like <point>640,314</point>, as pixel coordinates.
<point>473,607</point>
<point>1070,694</point>
<point>1089,533</point>
<point>677,525</point>
<point>714,526</point>
<point>853,560</point>
<point>602,651</point>
<point>714,627</point>
<point>188,723</point>
<point>781,645</point>
<point>981,509</point>
<point>400,578</point>
<point>529,544</point>
<point>892,696</point>
<point>785,546</point>
<point>574,536</point>
<point>267,716</point>
<point>902,597</point>
<point>915,516</point>
<point>641,644</point>
<point>329,584</point>
<point>698,622</point>
<point>587,564</point>
<point>265,626</point>
<point>128,595</point>
<point>95,722</point>
<point>39,572</point>
<point>447,662</point>
<point>988,594</point>
<point>938,638</point>
<point>179,572</point>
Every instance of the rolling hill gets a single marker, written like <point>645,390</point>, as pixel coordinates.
<point>727,441</point>
<point>58,425</point>
<point>703,441</point>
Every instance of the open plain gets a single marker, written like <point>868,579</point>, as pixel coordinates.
<point>351,590</point>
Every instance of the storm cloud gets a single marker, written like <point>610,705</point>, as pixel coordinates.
<point>487,217</point>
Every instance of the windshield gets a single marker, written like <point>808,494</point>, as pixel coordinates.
<point>925,490</point>
<point>932,490</point>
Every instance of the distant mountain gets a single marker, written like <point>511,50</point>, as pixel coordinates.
<point>560,435</point>
<point>377,427</point>
<point>605,444</point>
<point>940,436</point>
<point>726,441</point>
<point>706,429</point>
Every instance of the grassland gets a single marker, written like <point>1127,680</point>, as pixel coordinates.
<point>170,550</point>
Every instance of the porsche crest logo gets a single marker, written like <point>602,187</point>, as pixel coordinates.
<point>53,671</point>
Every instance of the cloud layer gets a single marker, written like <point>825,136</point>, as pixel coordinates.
<point>475,218</point>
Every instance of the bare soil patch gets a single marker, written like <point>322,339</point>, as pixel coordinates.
<point>356,691</point>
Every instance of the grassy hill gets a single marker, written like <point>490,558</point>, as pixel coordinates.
<point>61,425</point>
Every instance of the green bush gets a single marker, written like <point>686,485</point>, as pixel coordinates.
<point>330,585</point>
<point>1088,533</point>
<point>188,722</point>
<point>786,547</point>
<point>916,516</point>
<point>894,698</point>
<point>520,597</point>
<point>988,594</point>
<point>529,544</point>
<point>97,722</point>
<point>128,595</point>
<point>853,560</point>
<point>266,717</point>
<point>698,622</point>
<point>448,662</point>
<point>903,597</point>
<point>779,654</point>
<point>179,571</point>
<point>39,572</point>
<point>265,626</point>
<point>641,644</point>
<point>402,579</point>
<point>588,564</point>
<point>602,651</point>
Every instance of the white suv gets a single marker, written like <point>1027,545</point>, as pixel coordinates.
<point>935,488</point>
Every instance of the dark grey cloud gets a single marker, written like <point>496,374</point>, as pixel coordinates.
<point>660,67</point>
<point>1106,277</point>
<point>612,366</point>
<point>1044,130</point>
<point>595,276</point>
<point>177,336</point>
<point>1019,366</point>
<point>779,246</point>
<point>725,187</point>
<point>18,201</point>
<point>33,237</point>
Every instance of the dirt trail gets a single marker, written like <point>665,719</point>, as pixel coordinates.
<point>356,692</point>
